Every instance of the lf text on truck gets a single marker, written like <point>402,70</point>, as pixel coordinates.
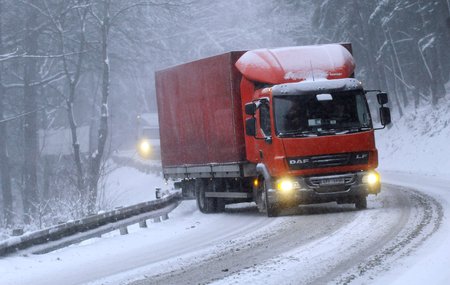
<point>281,127</point>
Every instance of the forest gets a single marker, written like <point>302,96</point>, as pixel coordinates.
<point>83,70</point>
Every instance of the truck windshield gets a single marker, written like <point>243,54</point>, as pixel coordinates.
<point>321,114</point>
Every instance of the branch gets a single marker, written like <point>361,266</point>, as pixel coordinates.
<point>20,115</point>
<point>35,7</point>
<point>5,57</point>
<point>8,56</point>
<point>48,80</point>
<point>143,4</point>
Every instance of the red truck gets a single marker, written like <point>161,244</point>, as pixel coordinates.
<point>280,127</point>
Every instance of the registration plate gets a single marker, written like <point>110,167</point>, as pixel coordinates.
<point>332,181</point>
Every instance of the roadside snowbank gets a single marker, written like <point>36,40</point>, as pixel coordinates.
<point>127,186</point>
<point>418,142</point>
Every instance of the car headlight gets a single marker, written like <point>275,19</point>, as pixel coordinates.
<point>144,148</point>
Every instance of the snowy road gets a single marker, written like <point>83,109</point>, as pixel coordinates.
<point>319,244</point>
<point>393,240</point>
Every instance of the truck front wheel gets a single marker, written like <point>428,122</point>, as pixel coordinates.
<point>361,202</point>
<point>272,209</point>
<point>205,204</point>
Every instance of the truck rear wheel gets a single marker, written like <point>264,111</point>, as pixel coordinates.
<point>361,202</point>
<point>217,185</point>
<point>205,204</point>
<point>188,189</point>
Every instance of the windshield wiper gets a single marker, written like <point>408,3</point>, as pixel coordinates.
<point>326,132</point>
<point>297,134</point>
<point>352,130</point>
<point>323,132</point>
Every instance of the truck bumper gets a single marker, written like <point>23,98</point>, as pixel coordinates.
<point>341,188</point>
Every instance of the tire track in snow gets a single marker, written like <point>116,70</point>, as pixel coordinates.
<point>341,247</point>
<point>245,252</point>
<point>423,224</point>
<point>399,221</point>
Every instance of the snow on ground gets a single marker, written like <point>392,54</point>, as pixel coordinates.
<point>415,152</point>
<point>418,142</point>
<point>127,186</point>
<point>143,250</point>
<point>189,237</point>
<point>430,263</point>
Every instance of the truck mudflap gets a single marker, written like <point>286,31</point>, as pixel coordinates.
<point>341,188</point>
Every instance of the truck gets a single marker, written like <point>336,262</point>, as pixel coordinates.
<point>280,127</point>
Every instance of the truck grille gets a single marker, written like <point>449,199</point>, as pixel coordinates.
<point>328,160</point>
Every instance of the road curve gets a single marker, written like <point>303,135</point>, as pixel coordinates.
<point>313,244</point>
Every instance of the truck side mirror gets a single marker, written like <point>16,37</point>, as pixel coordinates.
<point>385,116</point>
<point>250,127</point>
<point>250,108</point>
<point>382,98</point>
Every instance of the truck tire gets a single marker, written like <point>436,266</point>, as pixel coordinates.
<point>272,209</point>
<point>361,202</point>
<point>217,185</point>
<point>205,205</point>
<point>220,205</point>
<point>188,189</point>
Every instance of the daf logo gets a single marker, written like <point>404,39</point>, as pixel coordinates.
<point>299,161</point>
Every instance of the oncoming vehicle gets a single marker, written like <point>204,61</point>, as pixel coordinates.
<point>148,145</point>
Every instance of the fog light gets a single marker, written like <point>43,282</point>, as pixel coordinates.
<point>285,185</point>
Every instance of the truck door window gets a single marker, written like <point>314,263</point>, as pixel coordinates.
<point>264,119</point>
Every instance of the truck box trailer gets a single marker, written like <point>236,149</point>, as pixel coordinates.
<point>280,127</point>
<point>200,115</point>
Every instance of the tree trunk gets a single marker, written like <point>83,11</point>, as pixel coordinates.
<point>398,72</point>
<point>430,49</point>
<point>72,83</point>
<point>97,156</point>
<point>5,174</point>
<point>370,47</point>
<point>30,193</point>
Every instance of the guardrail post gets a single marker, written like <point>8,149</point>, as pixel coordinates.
<point>165,217</point>
<point>157,220</point>
<point>143,224</point>
<point>123,231</point>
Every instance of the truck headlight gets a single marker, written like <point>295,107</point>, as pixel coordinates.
<point>372,178</point>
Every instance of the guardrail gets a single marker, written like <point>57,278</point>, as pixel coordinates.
<point>65,234</point>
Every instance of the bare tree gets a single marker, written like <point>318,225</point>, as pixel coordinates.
<point>72,71</point>
<point>405,41</point>
<point>5,175</point>
<point>30,193</point>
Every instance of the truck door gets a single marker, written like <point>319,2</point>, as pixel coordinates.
<point>265,146</point>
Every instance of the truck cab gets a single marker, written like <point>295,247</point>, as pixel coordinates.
<point>311,136</point>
